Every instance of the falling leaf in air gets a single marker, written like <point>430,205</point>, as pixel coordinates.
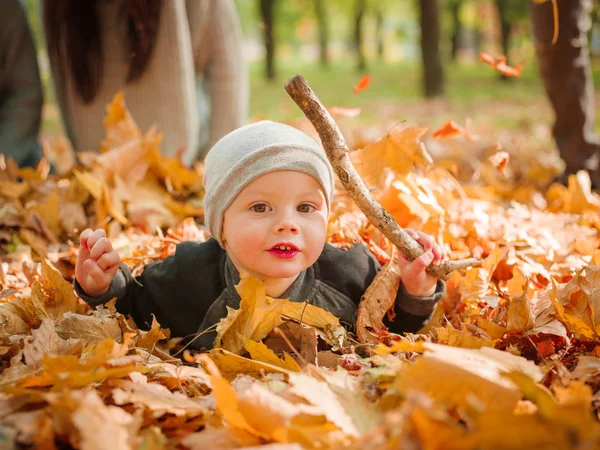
<point>362,84</point>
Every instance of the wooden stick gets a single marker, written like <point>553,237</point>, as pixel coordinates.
<point>337,152</point>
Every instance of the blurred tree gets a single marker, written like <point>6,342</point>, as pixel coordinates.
<point>322,16</point>
<point>359,13</point>
<point>379,23</point>
<point>510,12</point>
<point>457,27</point>
<point>266,13</point>
<point>433,74</point>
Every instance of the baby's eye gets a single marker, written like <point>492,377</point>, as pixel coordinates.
<point>306,208</point>
<point>260,207</point>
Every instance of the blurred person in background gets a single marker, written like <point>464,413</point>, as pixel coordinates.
<point>178,62</point>
<point>21,95</point>
<point>566,70</point>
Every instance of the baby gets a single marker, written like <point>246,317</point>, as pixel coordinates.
<point>268,197</point>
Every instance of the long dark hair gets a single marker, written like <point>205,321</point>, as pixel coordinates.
<point>73,35</point>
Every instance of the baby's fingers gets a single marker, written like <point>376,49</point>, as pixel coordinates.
<point>84,237</point>
<point>101,247</point>
<point>108,261</point>
<point>94,237</point>
<point>98,281</point>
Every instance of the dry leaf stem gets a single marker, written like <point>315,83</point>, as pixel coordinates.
<point>337,153</point>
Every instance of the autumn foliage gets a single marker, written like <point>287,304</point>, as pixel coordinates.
<point>510,358</point>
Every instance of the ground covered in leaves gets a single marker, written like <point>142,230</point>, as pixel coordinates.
<point>510,358</point>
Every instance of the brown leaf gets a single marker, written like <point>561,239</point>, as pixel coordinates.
<point>156,399</point>
<point>96,425</point>
<point>47,343</point>
<point>148,339</point>
<point>89,329</point>
<point>54,291</point>
<point>302,339</point>
<point>520,315</point>
<point>378,299</point>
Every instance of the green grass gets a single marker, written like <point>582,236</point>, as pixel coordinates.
<point>473,90</point>
<point>391,84</point>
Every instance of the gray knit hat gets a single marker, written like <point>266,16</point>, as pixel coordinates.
<point>252,151</point>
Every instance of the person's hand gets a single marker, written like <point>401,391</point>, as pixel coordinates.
<point>415,279</point>
<point>97,262</point>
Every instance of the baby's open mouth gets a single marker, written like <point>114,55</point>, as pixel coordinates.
<point>284,250</point>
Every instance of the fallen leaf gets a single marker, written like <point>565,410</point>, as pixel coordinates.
<point>260,352</point>
<point>399,150</point>
<point>520,316</point>
<point>377,300</point>
<point>500,160</point>
<point>337,111</point>
<point>54,291</point>
<point>89,329</point>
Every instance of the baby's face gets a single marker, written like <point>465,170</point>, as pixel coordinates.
<point>276,226</point>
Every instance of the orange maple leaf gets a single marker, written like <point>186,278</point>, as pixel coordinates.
<point>448,130</point>
<point>362,84</point>
<point>501,66</point>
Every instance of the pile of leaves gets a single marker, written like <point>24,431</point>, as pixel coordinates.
<point>509,359</point>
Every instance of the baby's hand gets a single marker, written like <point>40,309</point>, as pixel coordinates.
<point>415,279</point>
<point>97,262</point>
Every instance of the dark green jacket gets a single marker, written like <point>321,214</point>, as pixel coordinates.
<point>191,290</point>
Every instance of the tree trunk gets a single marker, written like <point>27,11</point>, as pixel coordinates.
<point>379,33</point>
<point>565,68</point>
<point>323,24</point>
<point>457,28</point>
<point>433,74</point>
<point>359,13</point>
<point>505,28</point>
<point>266,13</point>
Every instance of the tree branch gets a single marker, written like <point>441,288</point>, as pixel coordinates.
<point>337,153</point>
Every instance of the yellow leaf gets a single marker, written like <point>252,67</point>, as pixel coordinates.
<point>494,330</point>
<point>148,339</point>
<point>435,435</point>
<point>90,182</point>
<point>13,189</point>
<point>319,394</point>
<point>580,197</point>
<point>308,314</point>
<point>259,314</point>
<point>260,352</point>
<point>520,315</point>
<point>399,150</point>
<point>48,211</point>
<point>462,338</point>
<point>232,365</point>
<point>577,326</point>
<point>118,124</point>
<point>226,399</point>
<point>536,393</point>
<point>400,346</point>
<point>54,291</point>
<point>457,376</point>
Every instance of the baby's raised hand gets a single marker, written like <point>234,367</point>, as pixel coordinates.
<point>97,262</point>
<point>415,279</point>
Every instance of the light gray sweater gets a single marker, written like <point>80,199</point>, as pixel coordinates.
<point>195,87</point>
